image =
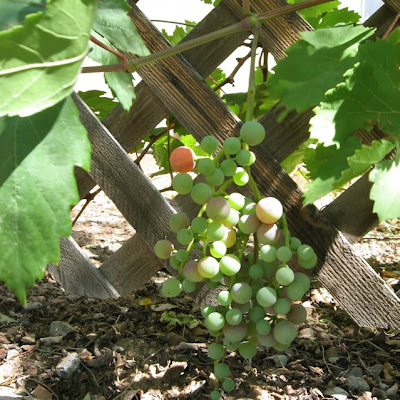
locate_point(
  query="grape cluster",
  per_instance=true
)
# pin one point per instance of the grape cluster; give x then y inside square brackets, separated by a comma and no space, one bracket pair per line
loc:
[258,302]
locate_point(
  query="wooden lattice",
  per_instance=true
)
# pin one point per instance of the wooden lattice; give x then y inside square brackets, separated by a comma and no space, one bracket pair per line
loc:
[175,85]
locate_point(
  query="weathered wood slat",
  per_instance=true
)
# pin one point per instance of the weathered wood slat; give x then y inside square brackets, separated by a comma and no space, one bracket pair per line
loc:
[351,281]
[394,4]
[78,275]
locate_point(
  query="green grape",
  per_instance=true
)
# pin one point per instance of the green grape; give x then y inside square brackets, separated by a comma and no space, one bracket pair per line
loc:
[241,177]
[268,233]
[218,209]
[282,306]
[232,219]
[216,351]
[216,231]
[266,296]
[297,314]
[178,221]
[235,333]
[216,178]
[229,238]
[229,265]
[181,255]
[214,321]
[244,308]
[269,270]
[188,286]
[284,276]
[305,252]
[256,271]
[228,167]
[207,309]
[231,346]
[302,279]
[249,206]
[199,225]
[308,264]
[281,347]
[212,284]
[241,292]
[269,210]
[175,264]
[284,332]
[228,385]
[245,157]
[215,333]
[236,201]
[284,254]
[171,287]
[182,183]
[248,223]
[224,298]
[295,291]
[256,313]
[221,370]
[232,145]
[163,249]
[268,253]
[218,249]
[205,166]
[209,144]
[184,236]
[191,273]
[267,340]
[217,278]
[247,349]
[252,133]
[208,267]
[201,193]
[234,316]
[215,395]
[295,243]
[263,327]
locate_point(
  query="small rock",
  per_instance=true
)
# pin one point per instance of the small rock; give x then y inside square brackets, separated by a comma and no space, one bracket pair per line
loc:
[98,316]
[392,391]
[337,393]
[280,360]
[33,306]
[355,371]
[101,361]
[375,370]
[28,339]
[379,393]
[357,384]
[50,340]
[68,365]
[174,339]
[7,393]
[60,328]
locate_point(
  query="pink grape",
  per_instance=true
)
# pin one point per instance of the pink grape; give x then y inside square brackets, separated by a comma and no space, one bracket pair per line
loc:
[191,273]
[218,209]
[248,223]
[269,210]
[182,159]
[268,233]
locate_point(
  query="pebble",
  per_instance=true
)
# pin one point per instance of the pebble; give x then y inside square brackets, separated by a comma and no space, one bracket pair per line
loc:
[379,393]
[280,360]
[28,339]
[68,365]
[355,371]
[60,328]
[33,306]
[337,392]
[50,340]
[375,370]
[357,384]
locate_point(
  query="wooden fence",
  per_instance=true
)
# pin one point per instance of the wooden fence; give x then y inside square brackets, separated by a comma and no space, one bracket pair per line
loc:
[175,85]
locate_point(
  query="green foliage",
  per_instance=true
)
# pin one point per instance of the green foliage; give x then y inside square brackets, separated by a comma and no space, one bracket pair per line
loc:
[315,64]
[113,23]
[181,319]
[101,105]
[42,58]
[179,32]
[120,83]
[214,3]
[37,187]
[13,12]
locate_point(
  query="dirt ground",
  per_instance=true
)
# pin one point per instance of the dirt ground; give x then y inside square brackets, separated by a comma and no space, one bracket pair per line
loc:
[62,346]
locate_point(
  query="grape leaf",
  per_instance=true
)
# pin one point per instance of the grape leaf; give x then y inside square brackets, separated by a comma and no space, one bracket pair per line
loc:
[37,189]
[315,64]
[179,32]
[325,165]
[113,23]
[370,95]
[343,16]
[345,166]
[385,191]
[97,102]
[120,83]
[41,59]
[13,12]
[294,159]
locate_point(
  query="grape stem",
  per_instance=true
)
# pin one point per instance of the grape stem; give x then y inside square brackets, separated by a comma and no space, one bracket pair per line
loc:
[285,230]
[224,186]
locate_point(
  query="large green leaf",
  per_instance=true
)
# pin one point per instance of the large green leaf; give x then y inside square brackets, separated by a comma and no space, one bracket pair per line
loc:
[120,83]
[101,105]
[385,191]
[37,189]
[113,23]
[315,64]
[41,59]
[370,95]
[13,12]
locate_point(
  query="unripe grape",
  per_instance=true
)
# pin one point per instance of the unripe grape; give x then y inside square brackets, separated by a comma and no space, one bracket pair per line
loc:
[178,221]
[191,273]
[235,333]
[208,267]
[295,291]
[248,223]
[182,183]
[228,167]
[263,327]
[182,159]
[201,193]
[241,177]
[228,384]
[269,210]
[218,209]
[267,340]
[184,236]
[171,287]
[207,309]
[224,298]
[284,254]
[229,265]
[256,313]
[215,395]
[163,249]
[216,231]
[181,255]
[199,225]
[245,157]
[284,276]
[216,178]
[241,292]
[236,201]
[218,249]
[305,252]
[249,206]
[209,144]
[252,133]
[297,315]
[221,370]
[214,321]
[232,145]
[308,264]
[205,166]
[232,219]
[188,286]
[216,351]
[268,253]
[229,238]
[268,233]
[175,263]
[266,296]
[303,280]
[295,243]
[234,316]
[256,271]
[217,278]
[247,350]
[284,332]
[282,306]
